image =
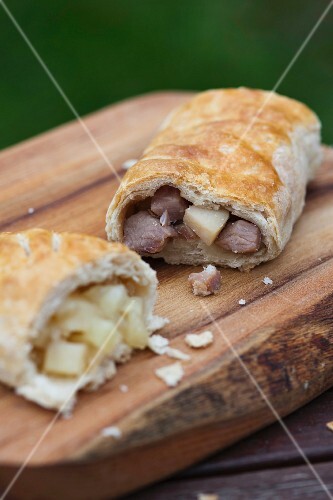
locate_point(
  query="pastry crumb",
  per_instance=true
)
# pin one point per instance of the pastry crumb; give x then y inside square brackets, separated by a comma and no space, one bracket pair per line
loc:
[329,426]
[111,432]
[31,210]
[306,385]
[170,374]
[242,302]
[123,388]
[197,340]
[177,354]
[129,163]
[160,345]
[267,281]
[158,322]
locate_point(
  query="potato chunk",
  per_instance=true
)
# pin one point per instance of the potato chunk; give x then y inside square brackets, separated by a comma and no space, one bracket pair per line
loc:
[65,358]
[206,223]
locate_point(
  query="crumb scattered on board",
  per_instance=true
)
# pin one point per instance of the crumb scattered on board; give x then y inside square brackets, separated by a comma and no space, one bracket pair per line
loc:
[242,302]
[160,345]
[177,354]
[129,163]
[267,281]
[31,210]
[197,340]
[170,374]
[111,432]
[123,388]
[329,426]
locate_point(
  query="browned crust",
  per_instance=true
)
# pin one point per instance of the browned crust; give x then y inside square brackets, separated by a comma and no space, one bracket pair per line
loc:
[32,272]
[224,146]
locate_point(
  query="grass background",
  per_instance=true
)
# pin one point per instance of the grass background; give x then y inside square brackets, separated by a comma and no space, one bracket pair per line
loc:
[107,50]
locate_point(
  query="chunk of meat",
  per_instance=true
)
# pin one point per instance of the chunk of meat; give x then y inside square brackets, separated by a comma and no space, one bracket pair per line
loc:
[206,282]
[240,237]
[168,198]
[144,233]
[185,232]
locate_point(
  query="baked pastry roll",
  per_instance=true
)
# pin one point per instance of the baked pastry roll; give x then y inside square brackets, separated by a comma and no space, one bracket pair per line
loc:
[71,306]
[223,181]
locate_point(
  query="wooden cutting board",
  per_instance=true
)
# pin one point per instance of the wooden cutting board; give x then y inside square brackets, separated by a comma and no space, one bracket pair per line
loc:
[280,342]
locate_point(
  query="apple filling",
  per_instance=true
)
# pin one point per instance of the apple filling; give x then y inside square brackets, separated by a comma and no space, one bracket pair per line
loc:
[87,328]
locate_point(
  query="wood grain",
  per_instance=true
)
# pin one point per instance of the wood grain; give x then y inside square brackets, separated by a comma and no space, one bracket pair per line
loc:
[272,448]
[283,335]
[293,483]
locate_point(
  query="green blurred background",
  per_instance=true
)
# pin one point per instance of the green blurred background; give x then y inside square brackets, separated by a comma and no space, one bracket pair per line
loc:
[107,50]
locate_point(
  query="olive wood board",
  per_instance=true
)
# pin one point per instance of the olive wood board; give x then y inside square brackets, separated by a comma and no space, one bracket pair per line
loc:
[280,342]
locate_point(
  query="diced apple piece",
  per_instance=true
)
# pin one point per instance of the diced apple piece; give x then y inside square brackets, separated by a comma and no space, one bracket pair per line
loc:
[206,223]
[74,304]
[133,328]
[110,299]
[100,333]
[65,358]
[76,314]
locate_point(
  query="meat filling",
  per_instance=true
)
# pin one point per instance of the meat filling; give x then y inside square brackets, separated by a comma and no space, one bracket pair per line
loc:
[206,282]
[169,198]
[240,237]
[185,232]
[145,233]
[171,216]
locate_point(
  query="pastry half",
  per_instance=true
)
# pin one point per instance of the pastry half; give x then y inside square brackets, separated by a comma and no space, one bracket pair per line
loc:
[223,181]
[71,307]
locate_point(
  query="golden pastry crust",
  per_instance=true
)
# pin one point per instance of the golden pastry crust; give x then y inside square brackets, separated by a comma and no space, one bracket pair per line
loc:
[38,270]
[248,150]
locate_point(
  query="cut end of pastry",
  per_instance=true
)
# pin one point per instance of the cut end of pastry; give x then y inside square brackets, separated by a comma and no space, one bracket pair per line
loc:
[93,329]
[70,315]
[209,233]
